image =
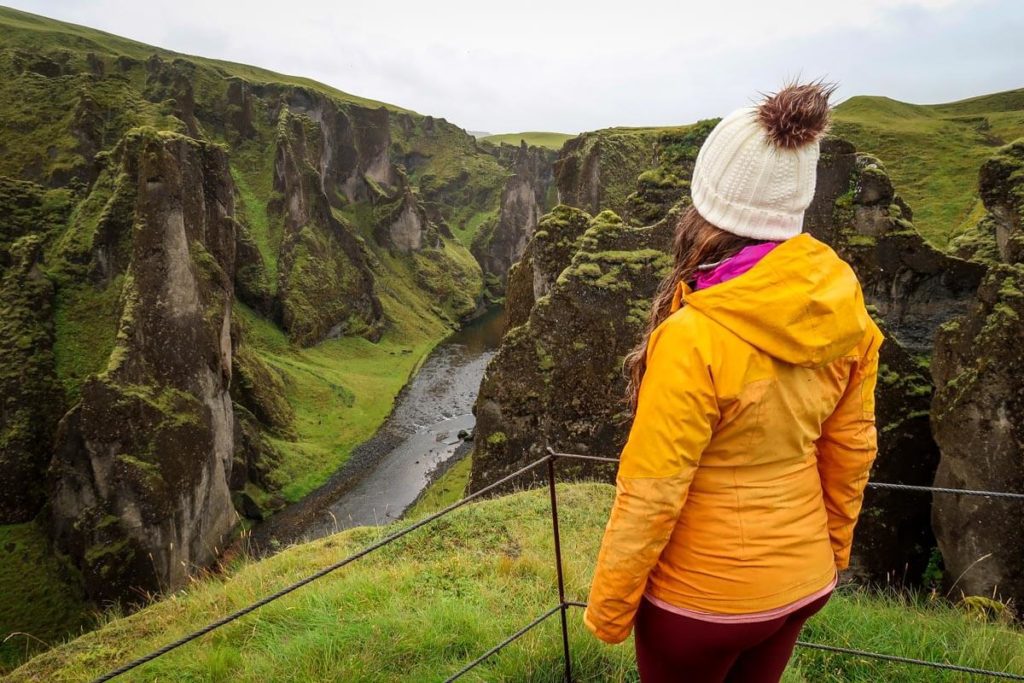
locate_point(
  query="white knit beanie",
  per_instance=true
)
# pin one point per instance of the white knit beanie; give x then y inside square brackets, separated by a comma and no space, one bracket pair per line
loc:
[755,173]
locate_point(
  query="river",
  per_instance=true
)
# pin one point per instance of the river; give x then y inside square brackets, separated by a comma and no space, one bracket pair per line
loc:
[386,474]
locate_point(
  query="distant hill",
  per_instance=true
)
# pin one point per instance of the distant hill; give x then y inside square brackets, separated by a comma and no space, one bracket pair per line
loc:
[537,139]
[933,152]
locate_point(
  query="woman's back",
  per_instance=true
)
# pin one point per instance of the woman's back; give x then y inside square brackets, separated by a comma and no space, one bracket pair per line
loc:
[741,480]
[782,343]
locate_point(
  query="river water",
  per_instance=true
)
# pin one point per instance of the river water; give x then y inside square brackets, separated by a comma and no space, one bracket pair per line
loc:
[386,474]
[421,435]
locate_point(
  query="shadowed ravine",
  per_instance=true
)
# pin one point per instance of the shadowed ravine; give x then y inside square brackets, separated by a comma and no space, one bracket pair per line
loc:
[386,474]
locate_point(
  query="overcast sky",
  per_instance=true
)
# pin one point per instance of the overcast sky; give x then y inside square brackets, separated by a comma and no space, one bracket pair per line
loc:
[577,65]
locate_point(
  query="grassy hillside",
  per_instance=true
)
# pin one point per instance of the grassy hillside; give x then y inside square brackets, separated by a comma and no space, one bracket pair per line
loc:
[933,152]
[27,31]
[534,138]
[422,607]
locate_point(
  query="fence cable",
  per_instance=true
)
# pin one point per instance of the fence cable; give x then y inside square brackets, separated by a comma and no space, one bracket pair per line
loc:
[311,578]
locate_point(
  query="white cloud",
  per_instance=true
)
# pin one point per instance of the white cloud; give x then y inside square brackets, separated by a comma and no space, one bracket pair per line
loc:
[573,65]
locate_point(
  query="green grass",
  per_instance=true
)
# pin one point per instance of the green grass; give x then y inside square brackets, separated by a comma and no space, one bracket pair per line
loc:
[422,607]
[252,171]
[341,391]
[533,138]
[40,602]
[86,324]
[443,491]
[466,231]
[933,152]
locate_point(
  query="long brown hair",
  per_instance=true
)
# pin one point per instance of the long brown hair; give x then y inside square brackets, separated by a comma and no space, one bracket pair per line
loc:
[696,242]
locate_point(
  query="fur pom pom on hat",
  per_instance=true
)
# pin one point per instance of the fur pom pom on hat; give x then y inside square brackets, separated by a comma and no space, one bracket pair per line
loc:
[755,173]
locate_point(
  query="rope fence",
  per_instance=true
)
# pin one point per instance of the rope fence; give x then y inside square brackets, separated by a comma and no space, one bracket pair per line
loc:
[563,606]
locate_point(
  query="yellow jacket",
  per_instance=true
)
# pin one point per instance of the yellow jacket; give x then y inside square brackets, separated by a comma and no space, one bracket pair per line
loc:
[744,472]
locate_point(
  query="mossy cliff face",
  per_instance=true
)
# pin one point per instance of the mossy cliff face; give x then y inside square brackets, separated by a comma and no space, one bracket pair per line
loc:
[914,287]
[139,479]
[545,257]
[579,298]
[978,412]
[526,196]
[325,286]
[636,172]
[555,378]
[31,396]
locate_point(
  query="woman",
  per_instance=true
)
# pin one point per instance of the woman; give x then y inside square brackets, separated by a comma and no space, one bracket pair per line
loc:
[753,432]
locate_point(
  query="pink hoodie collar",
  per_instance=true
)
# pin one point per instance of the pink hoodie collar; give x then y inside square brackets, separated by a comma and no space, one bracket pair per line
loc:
[736,265]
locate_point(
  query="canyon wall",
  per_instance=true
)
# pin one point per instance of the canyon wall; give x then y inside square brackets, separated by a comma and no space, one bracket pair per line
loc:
[978,412]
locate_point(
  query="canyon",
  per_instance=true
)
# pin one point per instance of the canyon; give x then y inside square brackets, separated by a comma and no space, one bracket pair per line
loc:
[216,280]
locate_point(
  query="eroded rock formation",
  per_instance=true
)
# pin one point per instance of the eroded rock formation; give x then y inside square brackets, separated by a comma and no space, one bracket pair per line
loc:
[525,197]
[325,286]
[30,396]
[139,493]
[978,412]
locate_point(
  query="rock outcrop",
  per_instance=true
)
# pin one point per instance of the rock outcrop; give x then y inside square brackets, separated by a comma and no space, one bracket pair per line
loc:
[525,197]
[325,286]
[914,286]
[555,378]
[139,494]
[978,411]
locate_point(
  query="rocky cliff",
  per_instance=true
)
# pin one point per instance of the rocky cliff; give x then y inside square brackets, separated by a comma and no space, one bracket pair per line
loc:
[526,196]
[579,298]
[978,412]
[139,479]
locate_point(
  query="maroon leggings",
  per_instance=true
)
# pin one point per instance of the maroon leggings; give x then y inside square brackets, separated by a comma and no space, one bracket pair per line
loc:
[673,648]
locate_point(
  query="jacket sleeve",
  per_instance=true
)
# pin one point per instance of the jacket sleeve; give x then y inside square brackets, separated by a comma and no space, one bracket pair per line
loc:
[847,448]
[675,414]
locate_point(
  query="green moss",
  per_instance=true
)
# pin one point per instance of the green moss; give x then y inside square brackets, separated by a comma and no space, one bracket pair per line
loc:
[251,172]
[861,241]
[42,601]
[545,361]
[497,439]
[842,211]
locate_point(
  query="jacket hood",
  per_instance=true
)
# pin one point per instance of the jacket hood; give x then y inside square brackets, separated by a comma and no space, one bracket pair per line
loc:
[800,303]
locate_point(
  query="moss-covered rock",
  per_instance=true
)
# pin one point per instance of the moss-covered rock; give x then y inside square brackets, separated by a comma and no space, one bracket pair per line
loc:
[525,198]
[541,388]
[325,286]
[545,257]
[29,391]
[139,491]
[914,287]
[978,411]
[260,389]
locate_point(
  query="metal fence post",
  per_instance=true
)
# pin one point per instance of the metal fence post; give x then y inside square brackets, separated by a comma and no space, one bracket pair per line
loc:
[558,567]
